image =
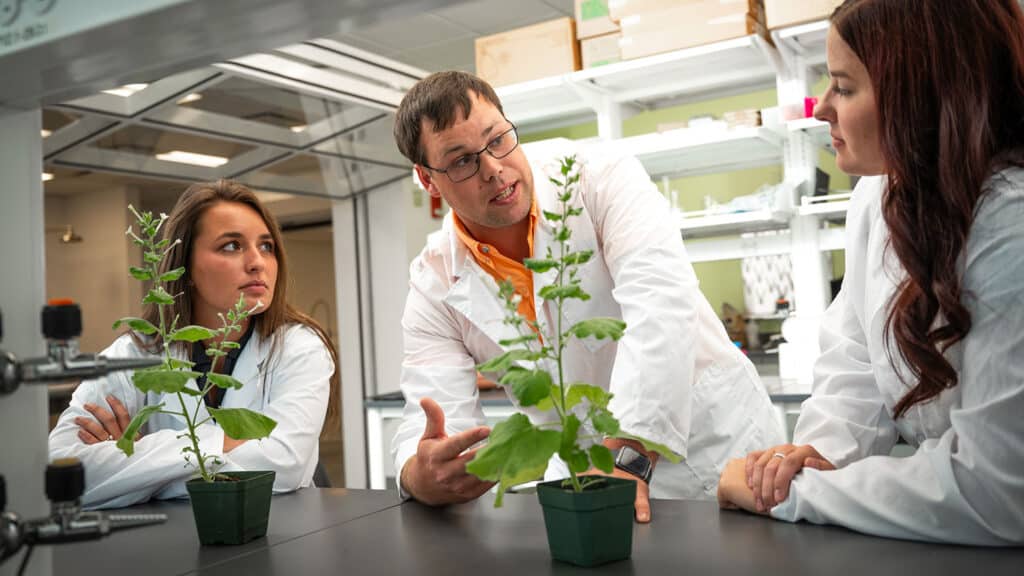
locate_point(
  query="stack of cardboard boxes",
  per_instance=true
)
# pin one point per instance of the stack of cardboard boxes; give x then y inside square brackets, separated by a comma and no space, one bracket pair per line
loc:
[607,31]
[655,26]
[598,34]
[546,49]
[781,13]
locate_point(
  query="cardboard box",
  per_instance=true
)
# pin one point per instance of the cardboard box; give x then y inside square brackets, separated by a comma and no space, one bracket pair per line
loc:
[592,20]
[601,50]
[781,13]
[686,25]
[619,9]
[546,49]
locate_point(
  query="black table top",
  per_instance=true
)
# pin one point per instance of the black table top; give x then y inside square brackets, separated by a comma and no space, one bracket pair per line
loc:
[173,547]
[338,531]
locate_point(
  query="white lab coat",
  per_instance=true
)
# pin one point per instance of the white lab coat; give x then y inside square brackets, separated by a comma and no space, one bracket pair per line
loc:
[675,376]
[292,387]
[965,482]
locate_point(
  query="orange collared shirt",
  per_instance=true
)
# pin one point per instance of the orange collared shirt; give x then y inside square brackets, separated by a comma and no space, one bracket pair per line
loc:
[501,267]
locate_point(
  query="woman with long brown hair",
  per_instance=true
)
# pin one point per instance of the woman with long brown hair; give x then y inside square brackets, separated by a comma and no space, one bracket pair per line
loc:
[230,245]
[926,338]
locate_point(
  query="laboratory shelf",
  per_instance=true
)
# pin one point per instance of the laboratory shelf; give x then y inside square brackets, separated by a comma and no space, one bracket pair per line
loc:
[732,223]
[698,72]
[830,207]
[816,130]
[748,245]
[690,151]
[806,41]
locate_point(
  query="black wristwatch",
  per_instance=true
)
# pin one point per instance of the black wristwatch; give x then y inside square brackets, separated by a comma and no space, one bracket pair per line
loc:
[635,462]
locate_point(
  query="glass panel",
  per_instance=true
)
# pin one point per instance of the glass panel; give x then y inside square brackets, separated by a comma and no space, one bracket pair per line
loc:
[247,100]
[54,120]
[312,174]
[150,142]
[374,141]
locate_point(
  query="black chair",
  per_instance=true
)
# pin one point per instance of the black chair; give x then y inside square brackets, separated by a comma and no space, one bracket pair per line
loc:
[320,478]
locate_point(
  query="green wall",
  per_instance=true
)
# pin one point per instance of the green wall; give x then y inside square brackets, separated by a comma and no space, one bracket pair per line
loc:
[720,281]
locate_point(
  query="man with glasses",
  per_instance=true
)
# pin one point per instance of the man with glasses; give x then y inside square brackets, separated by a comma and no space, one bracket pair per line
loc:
[675,376]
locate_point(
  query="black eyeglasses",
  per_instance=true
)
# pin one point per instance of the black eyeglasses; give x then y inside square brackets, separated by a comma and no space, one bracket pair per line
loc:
[466,166]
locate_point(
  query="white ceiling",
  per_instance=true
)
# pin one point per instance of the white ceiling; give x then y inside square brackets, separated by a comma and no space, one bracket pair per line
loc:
[443,39]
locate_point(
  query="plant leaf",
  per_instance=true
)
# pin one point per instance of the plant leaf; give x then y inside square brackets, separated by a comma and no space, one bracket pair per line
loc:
[531,337]
[603,421]
[599,328]
[158,296]
[138,324]
[528,386]
[555,292]
[539,265]
[242,423]
[151,257]
[162,381]
[596,395]
[653,447]
[577,258]
[140,273]
[172,275]
[176,364]
[548,402]
[223,381]
[551,216]
[504,361]
[127,440]
[516,452]
[602,458]
[568,451]
[191,334]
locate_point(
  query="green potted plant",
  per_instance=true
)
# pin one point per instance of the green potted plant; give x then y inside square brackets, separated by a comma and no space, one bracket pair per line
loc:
[589,519]
[229,508]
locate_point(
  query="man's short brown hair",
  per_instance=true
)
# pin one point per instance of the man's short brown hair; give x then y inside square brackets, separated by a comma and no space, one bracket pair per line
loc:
[440,98]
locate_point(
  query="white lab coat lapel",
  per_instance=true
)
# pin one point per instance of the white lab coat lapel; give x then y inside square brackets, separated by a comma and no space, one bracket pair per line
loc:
[248,368]
[474,293]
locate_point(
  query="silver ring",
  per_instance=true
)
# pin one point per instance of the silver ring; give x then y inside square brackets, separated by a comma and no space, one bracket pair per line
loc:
[110,436]
[778,455]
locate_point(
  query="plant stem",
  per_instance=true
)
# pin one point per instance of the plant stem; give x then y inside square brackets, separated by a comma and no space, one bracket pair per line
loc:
[559,337]
[195,440]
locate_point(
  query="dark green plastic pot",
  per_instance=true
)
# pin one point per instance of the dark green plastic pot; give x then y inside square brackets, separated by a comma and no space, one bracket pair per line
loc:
[232,512]
[591,527]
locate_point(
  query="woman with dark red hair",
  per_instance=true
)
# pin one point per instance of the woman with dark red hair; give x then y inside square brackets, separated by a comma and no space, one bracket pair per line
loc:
[926,338]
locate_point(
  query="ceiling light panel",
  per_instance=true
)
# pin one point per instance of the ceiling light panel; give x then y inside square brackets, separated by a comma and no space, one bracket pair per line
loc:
[126,90]
[183,157]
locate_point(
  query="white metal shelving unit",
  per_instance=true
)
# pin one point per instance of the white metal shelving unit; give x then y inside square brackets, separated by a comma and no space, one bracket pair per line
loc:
[610,93]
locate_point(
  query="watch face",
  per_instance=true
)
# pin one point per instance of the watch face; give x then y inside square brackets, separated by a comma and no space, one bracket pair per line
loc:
[634,462]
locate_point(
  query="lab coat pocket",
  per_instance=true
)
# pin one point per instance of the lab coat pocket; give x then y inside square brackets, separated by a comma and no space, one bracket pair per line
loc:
[596,281]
